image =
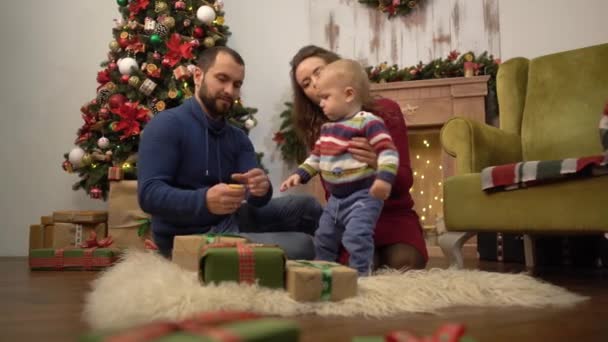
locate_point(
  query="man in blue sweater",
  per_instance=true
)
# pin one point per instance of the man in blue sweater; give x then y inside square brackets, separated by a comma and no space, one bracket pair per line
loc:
[190,158]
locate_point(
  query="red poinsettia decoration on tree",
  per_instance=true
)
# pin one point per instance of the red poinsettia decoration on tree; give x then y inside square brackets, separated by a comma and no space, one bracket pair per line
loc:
[138,5]
[177,50]
[132,116]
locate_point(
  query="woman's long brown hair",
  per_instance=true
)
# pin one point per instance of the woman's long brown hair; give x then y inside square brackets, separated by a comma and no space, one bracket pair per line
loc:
[307,116]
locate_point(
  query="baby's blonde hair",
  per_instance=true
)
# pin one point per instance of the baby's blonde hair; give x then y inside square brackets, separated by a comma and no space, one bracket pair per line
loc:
[350,73]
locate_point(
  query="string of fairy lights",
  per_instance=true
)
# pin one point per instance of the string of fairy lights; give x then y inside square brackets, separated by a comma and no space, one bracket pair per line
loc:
[427,190]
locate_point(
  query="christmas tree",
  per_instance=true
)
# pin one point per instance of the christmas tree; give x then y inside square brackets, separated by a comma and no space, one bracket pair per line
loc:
[148,69]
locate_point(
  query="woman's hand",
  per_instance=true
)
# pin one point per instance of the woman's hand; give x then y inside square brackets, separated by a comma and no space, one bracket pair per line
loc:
[362,151]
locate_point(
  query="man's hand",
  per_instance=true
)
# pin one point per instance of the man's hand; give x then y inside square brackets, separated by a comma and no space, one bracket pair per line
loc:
[293,180]
[362,151]
[380,189]
[224,199]
[255,180]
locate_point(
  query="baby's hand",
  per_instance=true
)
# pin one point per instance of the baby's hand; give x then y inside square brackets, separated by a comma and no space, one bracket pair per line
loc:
[293,180]
[380,189]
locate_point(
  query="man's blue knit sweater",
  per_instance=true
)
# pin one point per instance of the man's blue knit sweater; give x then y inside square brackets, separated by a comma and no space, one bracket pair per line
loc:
[182,153]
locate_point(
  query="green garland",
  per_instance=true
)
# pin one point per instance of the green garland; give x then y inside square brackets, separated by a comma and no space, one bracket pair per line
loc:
[393,7]
[294,151]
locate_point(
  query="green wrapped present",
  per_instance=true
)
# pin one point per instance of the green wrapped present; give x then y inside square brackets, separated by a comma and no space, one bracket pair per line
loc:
[243,263]
[72,258]
[187,249]
[212,327]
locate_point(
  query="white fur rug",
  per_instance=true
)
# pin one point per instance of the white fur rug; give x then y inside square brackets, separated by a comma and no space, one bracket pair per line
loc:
[144,287]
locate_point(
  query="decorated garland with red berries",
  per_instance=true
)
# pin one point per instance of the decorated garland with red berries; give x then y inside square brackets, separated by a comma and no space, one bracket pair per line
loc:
[394,7]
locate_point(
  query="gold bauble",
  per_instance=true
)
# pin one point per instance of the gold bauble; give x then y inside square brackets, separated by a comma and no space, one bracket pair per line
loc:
[209,42]
[86,159]
[160,6]
[169,22]
[172,93]
[160,106]
[133,81]
[114,46]
[219,21]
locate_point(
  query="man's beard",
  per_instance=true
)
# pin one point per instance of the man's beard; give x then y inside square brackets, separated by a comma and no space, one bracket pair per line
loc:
[210,103]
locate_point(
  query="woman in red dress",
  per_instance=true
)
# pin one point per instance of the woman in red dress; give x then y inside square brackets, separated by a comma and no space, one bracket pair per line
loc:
[398,237]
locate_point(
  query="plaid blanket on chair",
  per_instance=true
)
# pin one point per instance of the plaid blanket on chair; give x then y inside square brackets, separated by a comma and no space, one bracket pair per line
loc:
[524,174]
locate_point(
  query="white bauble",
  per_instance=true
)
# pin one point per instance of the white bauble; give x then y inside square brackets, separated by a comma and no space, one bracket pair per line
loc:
[125,65]
[206,14]
[249,123]
[75,156]
[103,142]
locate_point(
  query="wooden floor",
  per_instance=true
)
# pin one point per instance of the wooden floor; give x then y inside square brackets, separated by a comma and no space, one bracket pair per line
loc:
[46,306]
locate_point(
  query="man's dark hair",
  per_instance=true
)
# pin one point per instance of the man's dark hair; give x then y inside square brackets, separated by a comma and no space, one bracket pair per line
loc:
[207,58]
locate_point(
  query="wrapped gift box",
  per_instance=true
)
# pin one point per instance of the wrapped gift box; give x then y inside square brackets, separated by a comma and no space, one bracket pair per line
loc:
[446,333]
[309,281]
[68,235]
[128,225]
[209,327]
[244,263]
[36,236]
[72,259]
[80,216]
[188,249]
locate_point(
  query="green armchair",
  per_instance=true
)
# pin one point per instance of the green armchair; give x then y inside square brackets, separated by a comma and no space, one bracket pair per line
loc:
[550,109]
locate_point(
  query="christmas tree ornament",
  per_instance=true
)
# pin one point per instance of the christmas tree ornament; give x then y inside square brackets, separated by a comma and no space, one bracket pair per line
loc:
[250,123]
[152,70]
[95,192]
[195,43]
[86,159]
[147,87]
[205,14]
[112,126]
[180,73]
[122,3]
[209,42]
[156,56]
[134,81]
[160,106]
[133,24]
[114,46]
[161,30]
[67,166]
[123,42]
[124,79]
[155,39]
[198,32]
[149,25]
[75,156]
[187,22]
[219,21]
[115,173]
[180,5]
[104,113]
[116,100]
[103,95]
[160,6]
[166,62]
[125,65]
[191,68]
[169,22]
[112,66]
[103,143]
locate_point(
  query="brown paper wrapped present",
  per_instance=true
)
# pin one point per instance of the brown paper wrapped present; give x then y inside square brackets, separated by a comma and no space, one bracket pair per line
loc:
[46,220]
[80,216]
[309,281]
[188,249]
[67,235]
[36,236]
[128,225]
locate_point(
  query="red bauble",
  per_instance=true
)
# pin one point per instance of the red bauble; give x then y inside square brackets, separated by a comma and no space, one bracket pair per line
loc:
[198,32]
[104,114]
[166,62]
[124,78]
[123,42]
[116,100]
[95,192]
[195,43]
[156,56]
[112,66]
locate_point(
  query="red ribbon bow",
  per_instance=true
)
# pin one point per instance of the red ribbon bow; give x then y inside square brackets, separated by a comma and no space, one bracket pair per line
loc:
[177,50]
[132,115]
[445,333]
[92,241]
[204,324]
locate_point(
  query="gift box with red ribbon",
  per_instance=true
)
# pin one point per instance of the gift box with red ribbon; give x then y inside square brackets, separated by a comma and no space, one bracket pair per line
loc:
[188,249]
[446,333]
[115,173]
[181,72]
[223,326]
[92,254]
[243,263]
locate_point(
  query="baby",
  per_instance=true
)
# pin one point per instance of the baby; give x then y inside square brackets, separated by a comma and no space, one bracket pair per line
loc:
[357,189]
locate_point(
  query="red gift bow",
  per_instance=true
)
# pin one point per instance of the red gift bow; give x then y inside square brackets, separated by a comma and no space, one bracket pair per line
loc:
[92,242]
[132,115]
[204,324]
[177,50]
[445,333]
